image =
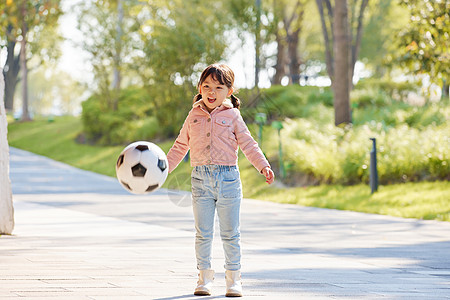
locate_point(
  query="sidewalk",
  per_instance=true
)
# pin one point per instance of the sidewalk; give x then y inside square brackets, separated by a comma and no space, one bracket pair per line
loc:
[79,235]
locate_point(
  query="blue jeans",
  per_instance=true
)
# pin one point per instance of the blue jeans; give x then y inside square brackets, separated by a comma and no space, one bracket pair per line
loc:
[217,187]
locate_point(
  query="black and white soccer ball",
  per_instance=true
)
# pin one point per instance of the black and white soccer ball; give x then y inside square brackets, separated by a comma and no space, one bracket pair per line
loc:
[142,167]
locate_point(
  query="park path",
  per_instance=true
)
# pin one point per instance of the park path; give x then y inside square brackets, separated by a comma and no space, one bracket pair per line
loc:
[79,235]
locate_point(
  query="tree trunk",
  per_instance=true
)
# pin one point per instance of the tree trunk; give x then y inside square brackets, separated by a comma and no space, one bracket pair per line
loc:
[6,205]
[280,69]
[292,27]
[23,68]
[293,37]
[341,51]
[327,31]
[356,40]
[257,42]
[294,61]
[117,56]
[340,84]
[445,90]
[10,73]
[280,66]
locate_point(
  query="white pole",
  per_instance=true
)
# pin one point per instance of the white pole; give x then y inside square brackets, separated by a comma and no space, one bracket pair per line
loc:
[6,205]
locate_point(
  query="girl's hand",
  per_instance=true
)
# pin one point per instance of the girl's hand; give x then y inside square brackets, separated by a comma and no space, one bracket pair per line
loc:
[268,173]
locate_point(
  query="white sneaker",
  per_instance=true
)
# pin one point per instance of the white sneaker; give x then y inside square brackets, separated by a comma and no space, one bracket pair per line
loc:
[234,284]
[204,283]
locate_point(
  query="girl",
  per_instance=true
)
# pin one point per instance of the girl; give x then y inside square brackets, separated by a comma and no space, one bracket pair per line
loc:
[213,130]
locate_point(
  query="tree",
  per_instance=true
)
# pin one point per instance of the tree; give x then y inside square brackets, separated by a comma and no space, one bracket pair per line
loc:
[179,41]
[342,32]
[11,69]
[118,51]
[425,41]
[20,18]
[282,23]
[6,206]
[245,21]
[379,42]
[288,19]
[281,56]
[342,76]
[108,26]
[164,45]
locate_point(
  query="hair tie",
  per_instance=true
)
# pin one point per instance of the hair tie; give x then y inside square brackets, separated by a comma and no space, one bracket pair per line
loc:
[235,101]
[197,97]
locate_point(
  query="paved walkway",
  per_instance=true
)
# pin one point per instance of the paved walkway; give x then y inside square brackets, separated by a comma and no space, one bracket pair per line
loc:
[79,235]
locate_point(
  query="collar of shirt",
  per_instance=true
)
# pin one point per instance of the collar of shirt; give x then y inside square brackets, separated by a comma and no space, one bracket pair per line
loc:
[225,104]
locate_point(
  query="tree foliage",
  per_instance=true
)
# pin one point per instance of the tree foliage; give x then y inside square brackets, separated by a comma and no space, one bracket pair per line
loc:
[165,45]
[378,44]
[182,40]
[30,23]
[425,42]
[99,23]
[161,46]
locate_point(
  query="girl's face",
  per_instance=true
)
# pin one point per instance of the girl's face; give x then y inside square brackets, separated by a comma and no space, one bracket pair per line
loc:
[213,93]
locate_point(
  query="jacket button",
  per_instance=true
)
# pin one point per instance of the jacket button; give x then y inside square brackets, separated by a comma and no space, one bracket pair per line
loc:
[208,162]
[208,147]
[209,119]
[223,122]
[208,134]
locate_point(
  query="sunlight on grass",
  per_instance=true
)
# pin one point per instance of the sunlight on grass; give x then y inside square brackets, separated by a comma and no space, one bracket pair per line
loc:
[99,158]
[423,200]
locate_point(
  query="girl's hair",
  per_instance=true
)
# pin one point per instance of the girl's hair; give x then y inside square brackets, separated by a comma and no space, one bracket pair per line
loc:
[224,75]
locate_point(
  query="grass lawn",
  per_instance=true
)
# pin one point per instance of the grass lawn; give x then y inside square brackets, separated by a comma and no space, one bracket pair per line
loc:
[424,200]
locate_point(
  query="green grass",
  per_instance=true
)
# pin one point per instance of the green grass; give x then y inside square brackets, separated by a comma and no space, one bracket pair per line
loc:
[423,200]
[419,200]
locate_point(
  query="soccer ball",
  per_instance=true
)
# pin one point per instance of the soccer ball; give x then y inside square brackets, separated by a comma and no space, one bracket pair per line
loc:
[142,167]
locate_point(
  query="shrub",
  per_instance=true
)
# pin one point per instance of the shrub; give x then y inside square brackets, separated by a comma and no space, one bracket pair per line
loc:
[146,129]
[364,99]
[322,95]
[394,90]
[279,102]
[132,120]
[432,114]
[335,155]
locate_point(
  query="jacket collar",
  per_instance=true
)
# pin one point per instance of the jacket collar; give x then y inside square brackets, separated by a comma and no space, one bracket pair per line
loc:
[226,103]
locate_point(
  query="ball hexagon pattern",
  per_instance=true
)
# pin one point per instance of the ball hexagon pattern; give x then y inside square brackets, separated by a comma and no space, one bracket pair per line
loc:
[142,167]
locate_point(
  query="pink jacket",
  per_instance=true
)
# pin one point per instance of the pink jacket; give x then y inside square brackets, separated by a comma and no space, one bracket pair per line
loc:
[214,138]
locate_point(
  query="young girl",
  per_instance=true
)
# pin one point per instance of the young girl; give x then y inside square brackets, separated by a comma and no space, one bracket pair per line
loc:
[213,130]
